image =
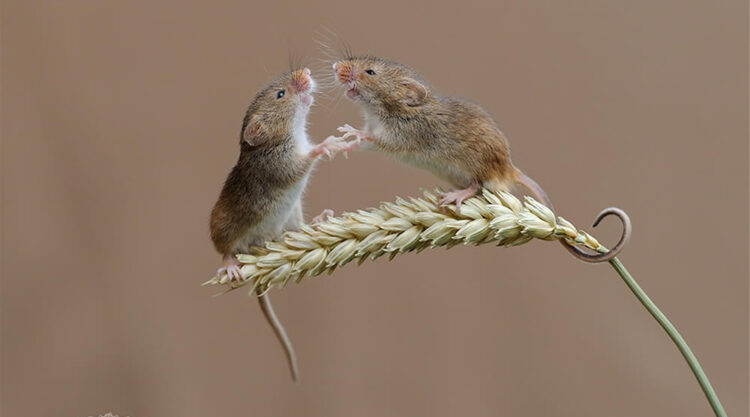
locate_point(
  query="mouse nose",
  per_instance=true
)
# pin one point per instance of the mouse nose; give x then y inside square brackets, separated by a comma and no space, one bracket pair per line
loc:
[345,71]
[301,80]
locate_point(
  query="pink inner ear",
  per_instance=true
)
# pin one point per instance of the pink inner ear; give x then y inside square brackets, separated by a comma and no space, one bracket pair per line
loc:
[415,93]
[253,133]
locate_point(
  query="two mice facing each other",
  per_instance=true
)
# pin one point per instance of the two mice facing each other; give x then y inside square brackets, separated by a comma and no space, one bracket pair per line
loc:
[453,138]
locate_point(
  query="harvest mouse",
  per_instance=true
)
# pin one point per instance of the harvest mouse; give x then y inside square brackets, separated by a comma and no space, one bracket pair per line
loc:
[262,194]
[453,138]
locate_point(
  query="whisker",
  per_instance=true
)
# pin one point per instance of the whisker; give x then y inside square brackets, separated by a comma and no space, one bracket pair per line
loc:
[332,46]
[265,69]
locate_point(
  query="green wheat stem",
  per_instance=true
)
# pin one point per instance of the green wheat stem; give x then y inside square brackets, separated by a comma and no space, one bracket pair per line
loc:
[668,327]
[419,223]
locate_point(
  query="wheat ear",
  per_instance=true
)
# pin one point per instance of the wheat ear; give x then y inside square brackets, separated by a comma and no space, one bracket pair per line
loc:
[417,224]
[399,227]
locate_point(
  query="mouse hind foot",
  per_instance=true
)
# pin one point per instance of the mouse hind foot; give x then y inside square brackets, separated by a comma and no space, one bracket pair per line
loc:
[458,196]
[231,268]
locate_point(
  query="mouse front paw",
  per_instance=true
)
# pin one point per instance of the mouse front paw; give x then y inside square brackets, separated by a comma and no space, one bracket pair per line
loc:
[331,146]
[359,135]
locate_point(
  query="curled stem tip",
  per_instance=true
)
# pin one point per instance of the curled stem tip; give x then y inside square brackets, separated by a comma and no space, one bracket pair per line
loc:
[609,255]
[405,226]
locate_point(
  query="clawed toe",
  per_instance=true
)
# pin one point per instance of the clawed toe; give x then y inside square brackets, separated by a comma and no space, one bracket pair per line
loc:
[335,144]
[231,268]
[458,196]
[451,198]
[234,273]
[348,131]
[345,128]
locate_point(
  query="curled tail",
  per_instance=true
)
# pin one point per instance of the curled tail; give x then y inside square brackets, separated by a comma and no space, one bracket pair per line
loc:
[540,194]
[278,328]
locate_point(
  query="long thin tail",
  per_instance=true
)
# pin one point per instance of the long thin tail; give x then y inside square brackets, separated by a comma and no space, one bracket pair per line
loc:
[278,328]
[535,189]
[540,194]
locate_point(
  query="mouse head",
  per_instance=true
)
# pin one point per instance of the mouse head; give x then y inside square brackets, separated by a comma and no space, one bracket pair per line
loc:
[381,85]
[279,109]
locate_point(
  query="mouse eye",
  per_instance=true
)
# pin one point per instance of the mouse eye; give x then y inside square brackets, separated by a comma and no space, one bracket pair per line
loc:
[370,72]
[280,94]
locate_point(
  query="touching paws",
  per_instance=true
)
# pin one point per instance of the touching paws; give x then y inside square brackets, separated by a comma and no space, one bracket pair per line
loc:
[330,147]
[348,131]
[335,144]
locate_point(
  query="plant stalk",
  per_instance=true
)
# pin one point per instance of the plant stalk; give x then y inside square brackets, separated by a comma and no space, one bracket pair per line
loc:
[664,322]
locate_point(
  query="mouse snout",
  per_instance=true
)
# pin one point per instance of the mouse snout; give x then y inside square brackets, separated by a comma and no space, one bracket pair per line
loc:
[301,80]
[345,72]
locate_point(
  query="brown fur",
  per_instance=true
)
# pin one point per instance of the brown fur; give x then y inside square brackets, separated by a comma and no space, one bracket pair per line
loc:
[253,188]
[260,197]
[455,139]
[265,168]
[420,126]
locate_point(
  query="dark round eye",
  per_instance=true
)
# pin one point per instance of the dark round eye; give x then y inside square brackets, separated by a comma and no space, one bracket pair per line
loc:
[370,72]
[280,94]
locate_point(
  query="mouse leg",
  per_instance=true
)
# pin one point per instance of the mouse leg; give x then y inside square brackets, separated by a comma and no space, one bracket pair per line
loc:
[231,268]
[323,216]
[458,196]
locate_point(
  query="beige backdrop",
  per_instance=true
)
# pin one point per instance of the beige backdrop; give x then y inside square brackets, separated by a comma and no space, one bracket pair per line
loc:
[120,120]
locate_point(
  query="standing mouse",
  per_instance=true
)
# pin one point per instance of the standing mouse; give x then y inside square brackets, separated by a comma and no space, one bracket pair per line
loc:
[262,194]
[453,138]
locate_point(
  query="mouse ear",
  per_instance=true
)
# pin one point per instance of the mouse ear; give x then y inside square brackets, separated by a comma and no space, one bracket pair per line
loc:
[416,92]
[252,132]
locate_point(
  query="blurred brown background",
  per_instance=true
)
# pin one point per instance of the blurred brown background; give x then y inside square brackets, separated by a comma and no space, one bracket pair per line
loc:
[120,121]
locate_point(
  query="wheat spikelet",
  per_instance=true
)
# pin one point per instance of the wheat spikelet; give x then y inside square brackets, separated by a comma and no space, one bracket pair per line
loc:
[399,227]
[417,224]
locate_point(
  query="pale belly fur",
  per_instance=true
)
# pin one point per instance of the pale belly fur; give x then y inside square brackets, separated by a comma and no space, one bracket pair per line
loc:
[446,171]
[273,224]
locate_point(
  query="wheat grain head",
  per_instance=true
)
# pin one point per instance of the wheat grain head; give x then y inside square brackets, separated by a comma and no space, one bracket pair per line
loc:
[399,227]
